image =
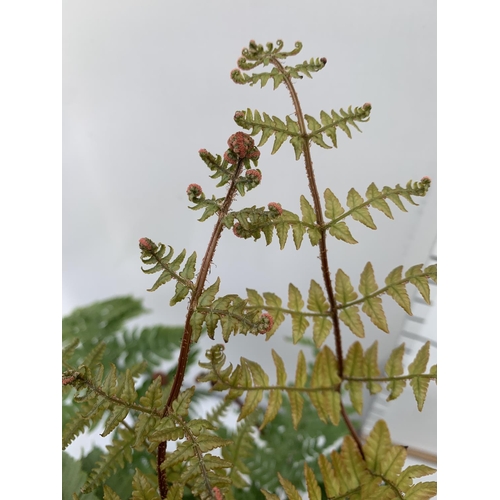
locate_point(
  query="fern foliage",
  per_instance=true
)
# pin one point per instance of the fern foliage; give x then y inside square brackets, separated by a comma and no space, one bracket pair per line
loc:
[380,474]
[200,470]
[241,316]
[256,222]
[289,129]
[256,55]
[286,437]
[225,170]
[321,384]
[154,255]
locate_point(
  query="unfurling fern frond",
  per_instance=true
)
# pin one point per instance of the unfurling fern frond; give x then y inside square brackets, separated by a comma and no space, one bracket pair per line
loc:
[221,167]
[258,220]
[232,314]
[379,474]
[154,255]
[250,222]
[255,55]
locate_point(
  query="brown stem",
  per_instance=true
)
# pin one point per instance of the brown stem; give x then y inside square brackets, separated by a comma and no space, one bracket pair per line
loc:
[322,242]
[352,430]
[186,337]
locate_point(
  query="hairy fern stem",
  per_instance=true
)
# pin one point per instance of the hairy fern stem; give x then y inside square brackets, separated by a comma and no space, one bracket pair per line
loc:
[325,269]
[186,337]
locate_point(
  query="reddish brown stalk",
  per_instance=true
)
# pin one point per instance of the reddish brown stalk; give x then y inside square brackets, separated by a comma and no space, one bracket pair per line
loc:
[186,337]
[322,242]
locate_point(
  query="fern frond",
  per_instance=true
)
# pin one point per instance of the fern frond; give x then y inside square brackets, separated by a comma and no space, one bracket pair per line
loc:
[325,375]
[330,123]
[96,394]
[74,475]
[242,446]
[191,453]
[101,319]
[221,167]
[275,398]
[371,302]
[211,206]
[225,170]
[77,424]
[69,350]
[313,489]
[109,494]
[155,255]
[142,489]
[296,400]
[215,415]
[95,355]
[153,344]
[362,368]
[172,426]
[175,492]
[251,374]
[359,208]
[272,125]
[254,222]
[379,475]
[180,407]
[299,321]
[353,367]
[146,422]
[255,55]
[235,315]
[418,367]
[238,315]
[309,218]
[198,470]
[269,126]
[284,449]
[118,454]
[165,430]
[289,488]
[317,303]
[249,377]
[251,222]
[371,369]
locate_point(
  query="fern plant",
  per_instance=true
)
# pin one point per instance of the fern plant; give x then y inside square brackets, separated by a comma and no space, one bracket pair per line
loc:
[205,460]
